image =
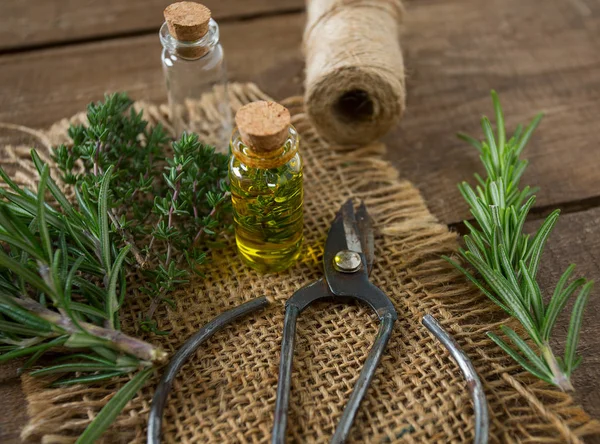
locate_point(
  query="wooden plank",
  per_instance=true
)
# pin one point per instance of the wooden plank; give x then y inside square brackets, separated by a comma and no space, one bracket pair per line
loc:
[23,24]
[548,62]
[538,59]
[40,87]
[576,240]
[14,413]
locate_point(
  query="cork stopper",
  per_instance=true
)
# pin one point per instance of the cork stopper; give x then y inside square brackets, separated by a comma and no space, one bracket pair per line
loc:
[187,21]
[263,125]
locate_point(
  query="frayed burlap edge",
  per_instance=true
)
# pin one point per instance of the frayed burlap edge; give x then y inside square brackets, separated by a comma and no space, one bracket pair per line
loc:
[430,396]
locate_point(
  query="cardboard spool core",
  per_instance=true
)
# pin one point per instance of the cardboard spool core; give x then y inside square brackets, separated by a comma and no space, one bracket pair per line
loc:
[263,126]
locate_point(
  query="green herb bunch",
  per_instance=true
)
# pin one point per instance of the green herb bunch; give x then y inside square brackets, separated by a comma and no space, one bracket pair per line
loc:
[169,203]
[506,260]
[141,203]
[62,283]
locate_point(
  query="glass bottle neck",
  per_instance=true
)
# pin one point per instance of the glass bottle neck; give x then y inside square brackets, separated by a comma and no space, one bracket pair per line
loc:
[272,159]
[194,49]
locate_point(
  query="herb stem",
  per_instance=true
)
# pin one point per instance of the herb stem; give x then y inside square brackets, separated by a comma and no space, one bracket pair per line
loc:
[211,214]
[559,378]
[115,339]
[139,257]
[170,224]
[155,300]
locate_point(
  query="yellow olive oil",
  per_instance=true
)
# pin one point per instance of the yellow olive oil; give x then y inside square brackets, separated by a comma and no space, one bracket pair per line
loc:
[267,208]
[267,196]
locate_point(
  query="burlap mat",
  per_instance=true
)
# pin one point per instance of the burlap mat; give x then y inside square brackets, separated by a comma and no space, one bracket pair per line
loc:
[227,392]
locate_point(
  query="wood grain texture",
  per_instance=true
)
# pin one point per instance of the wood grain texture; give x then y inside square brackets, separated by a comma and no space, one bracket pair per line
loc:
[576,240]
[44,22]
[38,88]
[537,58]
[14,413]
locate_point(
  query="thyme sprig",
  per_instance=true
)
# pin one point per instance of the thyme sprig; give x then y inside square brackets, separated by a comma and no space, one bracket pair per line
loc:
[506,260]
[169,202]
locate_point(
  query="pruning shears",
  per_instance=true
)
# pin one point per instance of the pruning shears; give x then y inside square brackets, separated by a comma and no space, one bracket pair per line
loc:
[347,261]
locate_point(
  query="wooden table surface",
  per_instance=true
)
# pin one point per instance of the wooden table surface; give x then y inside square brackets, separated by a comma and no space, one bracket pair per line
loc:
[58,55]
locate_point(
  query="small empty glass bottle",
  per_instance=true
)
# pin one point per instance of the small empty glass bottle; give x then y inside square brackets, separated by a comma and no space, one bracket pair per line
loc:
[194,69]
[265,172]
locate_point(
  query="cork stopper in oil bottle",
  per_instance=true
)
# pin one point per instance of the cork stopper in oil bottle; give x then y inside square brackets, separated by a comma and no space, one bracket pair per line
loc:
[263,126]
[188,22]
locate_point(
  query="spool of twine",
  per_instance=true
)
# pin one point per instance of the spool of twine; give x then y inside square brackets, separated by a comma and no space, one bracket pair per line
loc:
[355,89]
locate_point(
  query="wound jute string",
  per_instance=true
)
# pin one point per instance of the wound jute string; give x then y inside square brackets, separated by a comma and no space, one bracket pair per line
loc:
[355,88]
[226,392]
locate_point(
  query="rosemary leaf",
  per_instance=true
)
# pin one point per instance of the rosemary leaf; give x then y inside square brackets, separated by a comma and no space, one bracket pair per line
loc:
[534,254]
[534,359]
[470,140]
[479,285]
[103,215]
[113,300]
[56,192]
[570,360]
[87,379]
[501,287]
[522,362]
[19,352]
[111,410]
[535,295]
[524,138]
[559,301]
[499,121]
[72,367]
[41,213]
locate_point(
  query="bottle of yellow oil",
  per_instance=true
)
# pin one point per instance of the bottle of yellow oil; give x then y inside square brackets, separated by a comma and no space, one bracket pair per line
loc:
[265,172]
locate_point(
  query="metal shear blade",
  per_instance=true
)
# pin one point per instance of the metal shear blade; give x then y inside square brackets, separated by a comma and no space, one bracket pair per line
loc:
[347,261]
[367,239]
[350,229]
[352,232]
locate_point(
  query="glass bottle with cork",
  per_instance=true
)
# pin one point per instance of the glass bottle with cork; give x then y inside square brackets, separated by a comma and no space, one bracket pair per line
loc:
[195,73]
[265,172]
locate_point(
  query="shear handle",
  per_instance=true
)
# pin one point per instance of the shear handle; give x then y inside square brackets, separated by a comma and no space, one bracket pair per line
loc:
[301,299]
[285,374]
[294,306]
[364,379]
[480,405]
[183,354]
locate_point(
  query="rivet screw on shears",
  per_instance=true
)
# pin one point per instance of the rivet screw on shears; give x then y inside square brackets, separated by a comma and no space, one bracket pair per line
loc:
[347,261]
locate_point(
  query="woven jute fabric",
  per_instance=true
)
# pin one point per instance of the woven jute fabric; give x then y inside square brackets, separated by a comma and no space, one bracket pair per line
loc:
[226,392]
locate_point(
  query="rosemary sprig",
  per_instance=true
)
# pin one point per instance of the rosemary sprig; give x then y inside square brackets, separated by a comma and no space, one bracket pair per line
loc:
[62,283]
[506,260]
